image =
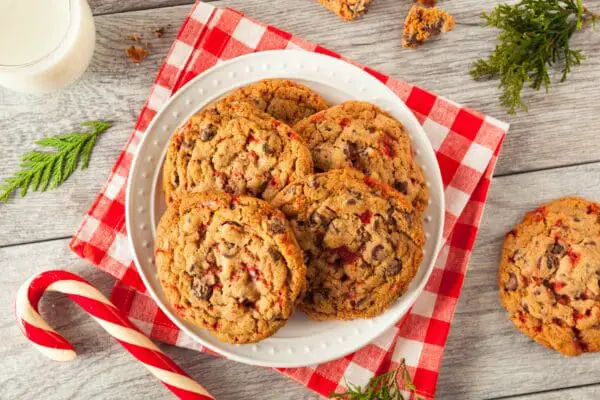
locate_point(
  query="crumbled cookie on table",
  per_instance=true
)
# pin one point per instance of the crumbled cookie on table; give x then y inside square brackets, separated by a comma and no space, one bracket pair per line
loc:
[423,23]
[549,276]
[347,9]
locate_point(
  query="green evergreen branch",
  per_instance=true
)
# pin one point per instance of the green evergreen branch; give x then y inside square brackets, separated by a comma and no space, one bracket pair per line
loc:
[381,387]
[43,170]
[534,36]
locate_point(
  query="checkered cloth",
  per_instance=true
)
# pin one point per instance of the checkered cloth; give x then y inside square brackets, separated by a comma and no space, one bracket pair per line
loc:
[466,144]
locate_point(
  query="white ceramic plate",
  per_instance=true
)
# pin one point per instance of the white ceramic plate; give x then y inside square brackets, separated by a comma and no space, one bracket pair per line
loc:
[302,341]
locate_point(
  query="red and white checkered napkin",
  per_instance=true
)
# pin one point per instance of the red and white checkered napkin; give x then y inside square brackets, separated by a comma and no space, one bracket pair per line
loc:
[466,144]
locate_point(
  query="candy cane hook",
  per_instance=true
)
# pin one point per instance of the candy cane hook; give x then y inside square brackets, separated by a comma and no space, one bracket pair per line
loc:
[53,345]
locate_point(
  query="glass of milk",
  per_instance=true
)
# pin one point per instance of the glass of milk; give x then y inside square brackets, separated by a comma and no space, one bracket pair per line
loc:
[44,44]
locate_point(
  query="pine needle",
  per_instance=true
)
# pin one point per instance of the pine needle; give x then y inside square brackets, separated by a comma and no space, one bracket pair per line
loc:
[43,170]
[534,36]
[381,387]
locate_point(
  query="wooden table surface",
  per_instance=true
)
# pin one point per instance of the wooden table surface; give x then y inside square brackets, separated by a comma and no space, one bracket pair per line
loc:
[552,151]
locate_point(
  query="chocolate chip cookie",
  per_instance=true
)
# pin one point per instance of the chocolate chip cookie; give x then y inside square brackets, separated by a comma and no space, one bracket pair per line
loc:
[362,242]
[283,99]
[423,23]
[235,148]
[229,264]
[362,136]
[549,275]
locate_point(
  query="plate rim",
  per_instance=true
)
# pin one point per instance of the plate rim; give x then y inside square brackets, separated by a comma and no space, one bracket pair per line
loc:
[130,187]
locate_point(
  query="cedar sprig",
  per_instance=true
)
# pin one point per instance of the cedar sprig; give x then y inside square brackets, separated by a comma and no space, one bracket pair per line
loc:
[534,36]
[381,387]
[42,170]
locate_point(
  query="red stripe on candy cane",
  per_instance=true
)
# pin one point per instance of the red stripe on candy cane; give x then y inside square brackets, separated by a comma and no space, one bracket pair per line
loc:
[56,347]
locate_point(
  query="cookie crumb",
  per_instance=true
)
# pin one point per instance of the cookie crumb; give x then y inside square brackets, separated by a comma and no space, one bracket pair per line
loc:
[423,23]
[159,32]
[135,37]
[347,9]
[137,54]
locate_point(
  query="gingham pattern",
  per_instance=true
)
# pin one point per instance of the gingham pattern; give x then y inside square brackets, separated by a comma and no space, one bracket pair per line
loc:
[466,144]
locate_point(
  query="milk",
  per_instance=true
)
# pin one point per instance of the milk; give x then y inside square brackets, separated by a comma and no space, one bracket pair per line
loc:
[44,44]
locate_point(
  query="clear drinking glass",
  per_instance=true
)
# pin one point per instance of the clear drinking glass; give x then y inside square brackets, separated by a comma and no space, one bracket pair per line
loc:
[44,46]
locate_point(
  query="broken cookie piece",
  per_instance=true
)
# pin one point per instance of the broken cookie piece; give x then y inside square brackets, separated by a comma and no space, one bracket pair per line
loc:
[422,23]
[347,9]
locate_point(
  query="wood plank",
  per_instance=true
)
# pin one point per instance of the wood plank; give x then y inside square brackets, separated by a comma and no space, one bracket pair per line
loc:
[102,7]
[486,357]
[578,393]
[103,369]
[114,88]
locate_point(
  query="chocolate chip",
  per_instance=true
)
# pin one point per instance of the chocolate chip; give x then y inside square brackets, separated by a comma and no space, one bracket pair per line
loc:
[401,186]
[412,40]
[551,261]
[307,258]
[247,304]
[207,133]
[557,248]
[176,179]
[526,307]
[267,149]
[378,253]
[363,236]
[276,225]
[313,182]
[201,290]
[275,254]
[435,29]
[229,250]
[316,219]
[351,201]
[192,268]
[512,283]
[355,194]
[394,268]
[262,187]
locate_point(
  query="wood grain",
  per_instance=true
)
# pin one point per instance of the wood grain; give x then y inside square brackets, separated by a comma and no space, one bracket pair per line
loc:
[101,7]
[485,357]
[114,88]
[494,359]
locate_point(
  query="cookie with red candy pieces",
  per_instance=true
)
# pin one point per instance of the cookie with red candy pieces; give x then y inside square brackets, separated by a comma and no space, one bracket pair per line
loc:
[549,276]
[362,242]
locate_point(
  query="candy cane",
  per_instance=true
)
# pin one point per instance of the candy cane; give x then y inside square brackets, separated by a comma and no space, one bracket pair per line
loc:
[53,345]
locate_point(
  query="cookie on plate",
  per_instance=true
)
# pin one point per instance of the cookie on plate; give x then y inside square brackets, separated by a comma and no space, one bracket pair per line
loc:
[235,148]
[347,9]
[360,135]
[549,275]
[362,243]
[283,99]
[229,264]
